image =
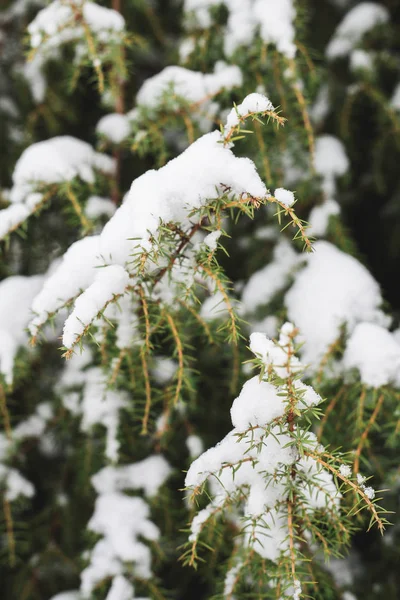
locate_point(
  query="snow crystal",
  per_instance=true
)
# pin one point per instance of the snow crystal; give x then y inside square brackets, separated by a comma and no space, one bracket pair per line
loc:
[369,492]
[114,127]
[356,23]
[333,289]
[345,470]
[285,197]
[375,352]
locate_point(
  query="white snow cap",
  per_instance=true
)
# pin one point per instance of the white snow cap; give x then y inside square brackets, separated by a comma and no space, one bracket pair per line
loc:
[193,86]
[259,462]
[71,595]
[16,295]
[114,127]
[285,197]
[253,103]
[274,20]
[356,23]
[332,290]
[375,352]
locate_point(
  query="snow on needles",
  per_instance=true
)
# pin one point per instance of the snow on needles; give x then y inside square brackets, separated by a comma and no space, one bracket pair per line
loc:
[356,23]
[16,295]
[123,522]
[54,161]
[334,289]
[255,459]
[274,20]
[64,22]
[375,352]
[169,194]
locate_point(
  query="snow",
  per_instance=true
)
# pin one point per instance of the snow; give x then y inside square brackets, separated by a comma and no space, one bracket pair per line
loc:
[360,59]
[121,589]
[115,127]
[16,295]
[109,282]
[257,404]
[268,281]
[97,206]
[355,24]
[15,484]
[54,161]
[75,273]
[170,194]
[57,160]
[214,307]
[375,352]
[193,86]
[274,20]
[285,197]
[253,103]
[195,446]
[163,369]
[96,404]
[60,23]
[318,219]
[395,101]
[211,240]
[57,22]
[185,183]
[256,458]
[333,289]
[71,595]
[330,162]
[148,474]
[123,522]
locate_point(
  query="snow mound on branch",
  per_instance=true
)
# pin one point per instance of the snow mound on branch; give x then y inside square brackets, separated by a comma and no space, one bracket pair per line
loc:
[54,161]
[375,352]
[57,160]
[114,127]
[274,20]
[109,282]
[170,194]
[16,295]
[194,86]
[123,521]
[334,289]
[56,24]
[356,23]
